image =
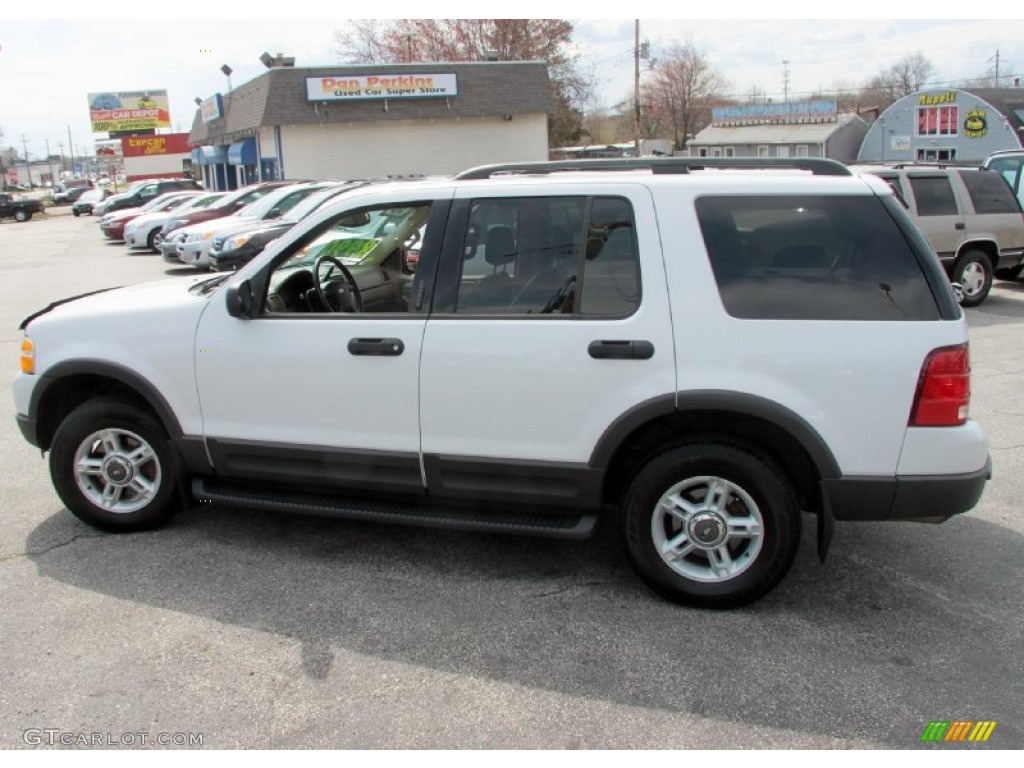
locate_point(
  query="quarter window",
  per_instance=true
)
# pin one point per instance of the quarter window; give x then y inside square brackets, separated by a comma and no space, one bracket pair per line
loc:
[989,192]
[812,258]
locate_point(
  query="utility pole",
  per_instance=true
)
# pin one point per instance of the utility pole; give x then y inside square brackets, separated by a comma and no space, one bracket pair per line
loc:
[28,168]
[997,68]
[785,81]
[636,89]
[71,151]
[49,162]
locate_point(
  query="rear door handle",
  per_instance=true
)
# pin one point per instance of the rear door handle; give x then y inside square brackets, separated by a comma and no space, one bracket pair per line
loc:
[960,225]
[621,350]
[376,347]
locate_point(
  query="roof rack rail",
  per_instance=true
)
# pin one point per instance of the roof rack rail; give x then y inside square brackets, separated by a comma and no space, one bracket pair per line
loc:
[657,165]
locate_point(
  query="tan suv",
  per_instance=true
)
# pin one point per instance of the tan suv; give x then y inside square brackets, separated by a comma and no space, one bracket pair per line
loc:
[971,218]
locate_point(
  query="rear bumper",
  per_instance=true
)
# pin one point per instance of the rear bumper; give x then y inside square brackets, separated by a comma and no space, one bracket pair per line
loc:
[907,497]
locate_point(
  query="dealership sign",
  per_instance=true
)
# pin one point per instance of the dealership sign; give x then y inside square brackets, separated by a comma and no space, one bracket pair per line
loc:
[167,144]
[128,111]
[784,113]
[212,108]
[353,87]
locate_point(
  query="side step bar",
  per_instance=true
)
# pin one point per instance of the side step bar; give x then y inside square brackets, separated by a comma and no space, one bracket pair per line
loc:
[559,525]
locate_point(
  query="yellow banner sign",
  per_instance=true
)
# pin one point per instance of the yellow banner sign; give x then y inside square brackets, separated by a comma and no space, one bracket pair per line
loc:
[129,111]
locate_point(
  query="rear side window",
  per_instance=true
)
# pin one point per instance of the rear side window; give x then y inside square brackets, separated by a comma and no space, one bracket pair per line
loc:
[812,258]
[989,192]
[549,256]
[934,196]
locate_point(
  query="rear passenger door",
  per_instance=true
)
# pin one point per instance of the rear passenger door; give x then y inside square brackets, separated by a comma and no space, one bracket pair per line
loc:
[550,320]
[938,213]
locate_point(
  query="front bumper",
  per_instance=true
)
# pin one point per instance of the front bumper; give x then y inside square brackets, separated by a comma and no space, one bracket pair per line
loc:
[906,497]
[135,238]
[195,254]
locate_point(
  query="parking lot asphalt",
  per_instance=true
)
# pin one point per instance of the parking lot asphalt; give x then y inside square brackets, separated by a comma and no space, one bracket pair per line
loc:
[245,629]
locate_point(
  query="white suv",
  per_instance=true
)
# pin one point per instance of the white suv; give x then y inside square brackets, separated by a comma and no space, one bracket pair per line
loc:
[708,351]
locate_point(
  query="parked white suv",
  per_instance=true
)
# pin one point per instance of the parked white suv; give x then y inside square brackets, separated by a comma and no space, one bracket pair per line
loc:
[709,351]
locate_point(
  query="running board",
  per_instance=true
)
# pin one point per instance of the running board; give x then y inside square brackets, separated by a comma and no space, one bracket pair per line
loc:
[556,525]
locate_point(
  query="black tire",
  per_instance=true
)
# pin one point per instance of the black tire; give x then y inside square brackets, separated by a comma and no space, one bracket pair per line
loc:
[131,426]
[973,271]
[757,562]
[20,215]
[1010,273]
[151,243]
[75,213]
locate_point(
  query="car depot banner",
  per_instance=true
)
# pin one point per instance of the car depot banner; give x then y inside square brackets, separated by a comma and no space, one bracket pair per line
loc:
[166,144]
[352,87]
[129,111]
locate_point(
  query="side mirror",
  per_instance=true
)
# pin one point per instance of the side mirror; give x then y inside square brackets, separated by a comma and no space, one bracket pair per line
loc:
[240,299]
[239,204]
[273,213]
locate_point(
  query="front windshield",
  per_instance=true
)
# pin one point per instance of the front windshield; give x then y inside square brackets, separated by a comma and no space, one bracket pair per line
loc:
[261,207]
[199,201]
[314,201]
[363,238]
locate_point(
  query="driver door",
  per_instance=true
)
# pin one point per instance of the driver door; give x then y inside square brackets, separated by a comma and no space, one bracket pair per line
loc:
[320,398]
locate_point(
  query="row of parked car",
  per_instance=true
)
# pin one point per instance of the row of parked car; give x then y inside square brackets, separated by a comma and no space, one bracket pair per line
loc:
[216,231]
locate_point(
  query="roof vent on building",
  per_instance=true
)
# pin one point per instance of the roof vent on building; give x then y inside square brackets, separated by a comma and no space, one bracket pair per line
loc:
[272,62]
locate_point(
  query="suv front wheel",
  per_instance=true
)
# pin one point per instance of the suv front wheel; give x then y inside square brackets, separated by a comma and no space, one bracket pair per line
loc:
[112,466]
[711,525]
[973,271]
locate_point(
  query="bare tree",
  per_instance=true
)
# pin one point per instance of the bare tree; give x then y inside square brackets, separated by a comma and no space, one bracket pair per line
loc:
[548,40]
[682,89]
[906,76]
[359,42]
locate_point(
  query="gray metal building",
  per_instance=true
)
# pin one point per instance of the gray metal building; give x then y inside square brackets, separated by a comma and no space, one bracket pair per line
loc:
[946,125]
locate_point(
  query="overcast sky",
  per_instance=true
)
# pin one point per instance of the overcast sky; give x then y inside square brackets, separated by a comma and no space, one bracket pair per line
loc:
[47,66]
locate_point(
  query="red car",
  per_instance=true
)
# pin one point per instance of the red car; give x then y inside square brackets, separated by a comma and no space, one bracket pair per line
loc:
[112,224]
[231,203]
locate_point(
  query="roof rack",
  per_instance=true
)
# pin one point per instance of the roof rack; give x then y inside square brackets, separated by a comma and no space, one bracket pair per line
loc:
[657,165]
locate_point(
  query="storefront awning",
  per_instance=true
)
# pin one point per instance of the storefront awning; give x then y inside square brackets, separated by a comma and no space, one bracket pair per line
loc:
[242,152]
[211,155]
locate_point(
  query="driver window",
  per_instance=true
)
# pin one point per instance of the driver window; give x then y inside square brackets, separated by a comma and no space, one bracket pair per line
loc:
[361,261]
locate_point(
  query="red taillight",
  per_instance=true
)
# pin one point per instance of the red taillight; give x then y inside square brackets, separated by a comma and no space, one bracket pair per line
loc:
[944,389]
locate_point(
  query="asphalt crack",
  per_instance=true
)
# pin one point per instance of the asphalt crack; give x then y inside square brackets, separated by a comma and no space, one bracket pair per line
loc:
[47,550]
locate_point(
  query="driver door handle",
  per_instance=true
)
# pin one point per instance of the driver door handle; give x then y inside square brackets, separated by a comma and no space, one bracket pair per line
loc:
[376,347]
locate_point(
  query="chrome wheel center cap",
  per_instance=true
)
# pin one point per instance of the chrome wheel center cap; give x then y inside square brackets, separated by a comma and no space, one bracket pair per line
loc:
[117,470]
[707,530]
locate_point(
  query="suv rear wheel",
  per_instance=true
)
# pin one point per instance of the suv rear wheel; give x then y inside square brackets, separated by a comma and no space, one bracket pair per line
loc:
[973,271]
[711,525]
[112,467]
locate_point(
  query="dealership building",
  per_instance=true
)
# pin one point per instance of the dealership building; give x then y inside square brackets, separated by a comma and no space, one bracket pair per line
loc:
[372,121]
[961,126]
